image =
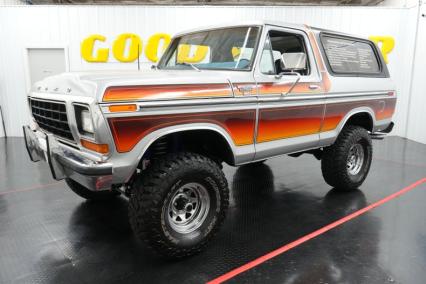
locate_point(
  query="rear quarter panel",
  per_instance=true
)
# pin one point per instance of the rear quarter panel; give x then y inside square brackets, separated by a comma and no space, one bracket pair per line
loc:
[353,93]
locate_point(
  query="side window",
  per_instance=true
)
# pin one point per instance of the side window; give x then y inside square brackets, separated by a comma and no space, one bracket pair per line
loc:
[350,56]
[267,61]
[288,46]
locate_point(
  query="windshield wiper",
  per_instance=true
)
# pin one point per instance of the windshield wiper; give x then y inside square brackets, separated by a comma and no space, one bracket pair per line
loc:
[190,65]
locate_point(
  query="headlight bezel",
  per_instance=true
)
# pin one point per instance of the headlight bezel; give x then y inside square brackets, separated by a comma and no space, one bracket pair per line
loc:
[84,120]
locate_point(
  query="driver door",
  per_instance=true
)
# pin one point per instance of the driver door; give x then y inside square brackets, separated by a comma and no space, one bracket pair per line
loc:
[291,106]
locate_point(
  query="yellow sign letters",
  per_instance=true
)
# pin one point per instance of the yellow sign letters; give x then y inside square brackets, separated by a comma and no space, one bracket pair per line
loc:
[387,44]
[119,47]
[154,41]
[125,47]
[87,47]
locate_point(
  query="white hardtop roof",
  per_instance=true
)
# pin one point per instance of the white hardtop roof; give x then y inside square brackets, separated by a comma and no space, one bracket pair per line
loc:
[245,23]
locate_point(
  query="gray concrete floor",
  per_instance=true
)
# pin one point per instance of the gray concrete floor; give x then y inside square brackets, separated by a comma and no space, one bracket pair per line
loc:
[50,235]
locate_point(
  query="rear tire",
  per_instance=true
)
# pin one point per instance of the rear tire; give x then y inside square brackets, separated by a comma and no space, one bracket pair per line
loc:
[178,204]
[88,194]
[346,163]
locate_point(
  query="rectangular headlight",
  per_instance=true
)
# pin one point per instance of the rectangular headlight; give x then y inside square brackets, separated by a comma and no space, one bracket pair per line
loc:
[86,121]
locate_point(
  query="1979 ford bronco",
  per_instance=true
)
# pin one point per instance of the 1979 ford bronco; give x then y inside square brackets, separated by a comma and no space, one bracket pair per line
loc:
[238,94]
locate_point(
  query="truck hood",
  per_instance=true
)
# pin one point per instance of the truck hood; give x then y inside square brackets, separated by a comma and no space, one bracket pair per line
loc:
[93,84]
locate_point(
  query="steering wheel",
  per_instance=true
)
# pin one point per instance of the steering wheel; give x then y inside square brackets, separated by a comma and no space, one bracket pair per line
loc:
[243,63]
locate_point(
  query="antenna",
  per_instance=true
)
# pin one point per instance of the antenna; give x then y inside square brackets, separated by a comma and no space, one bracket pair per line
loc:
[139,65]
[2,120]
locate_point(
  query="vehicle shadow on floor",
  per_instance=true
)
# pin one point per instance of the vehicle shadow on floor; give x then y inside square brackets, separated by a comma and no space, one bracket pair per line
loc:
[264,214]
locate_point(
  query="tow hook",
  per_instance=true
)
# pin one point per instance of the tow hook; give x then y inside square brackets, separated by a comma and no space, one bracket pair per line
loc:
[123,188]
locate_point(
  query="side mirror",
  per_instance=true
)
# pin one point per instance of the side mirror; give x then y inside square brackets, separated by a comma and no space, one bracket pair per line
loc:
[293,61]
[154,67]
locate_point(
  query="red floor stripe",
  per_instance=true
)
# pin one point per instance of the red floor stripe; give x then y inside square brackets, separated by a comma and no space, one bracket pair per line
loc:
[312,235]
[29,188]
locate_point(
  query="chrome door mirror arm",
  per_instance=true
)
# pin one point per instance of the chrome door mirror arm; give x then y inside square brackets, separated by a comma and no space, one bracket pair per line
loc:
[292,73]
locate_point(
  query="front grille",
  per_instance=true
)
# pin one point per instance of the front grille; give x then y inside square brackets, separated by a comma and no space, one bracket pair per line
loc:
[52,117]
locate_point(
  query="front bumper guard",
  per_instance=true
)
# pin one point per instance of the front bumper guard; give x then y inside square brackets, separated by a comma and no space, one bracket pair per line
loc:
[67,162]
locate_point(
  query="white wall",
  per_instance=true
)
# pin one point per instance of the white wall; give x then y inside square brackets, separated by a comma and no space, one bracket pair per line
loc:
[58,25]
[416,121]
[399,3]
[11,2]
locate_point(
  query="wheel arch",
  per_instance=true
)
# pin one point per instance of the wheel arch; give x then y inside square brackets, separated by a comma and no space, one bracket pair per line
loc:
[329,137]
[362,116]
[188,129]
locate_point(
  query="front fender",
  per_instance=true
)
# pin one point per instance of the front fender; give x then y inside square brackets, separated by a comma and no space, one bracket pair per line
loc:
[125,164]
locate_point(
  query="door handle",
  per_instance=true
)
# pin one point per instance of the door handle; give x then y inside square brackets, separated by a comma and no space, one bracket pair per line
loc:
[313,87]
[245,89]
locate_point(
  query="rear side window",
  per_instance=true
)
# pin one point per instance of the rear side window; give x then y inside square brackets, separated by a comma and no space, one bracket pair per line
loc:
[350,56]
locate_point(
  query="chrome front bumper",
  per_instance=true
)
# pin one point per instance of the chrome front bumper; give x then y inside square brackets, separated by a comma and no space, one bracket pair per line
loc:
[67,162]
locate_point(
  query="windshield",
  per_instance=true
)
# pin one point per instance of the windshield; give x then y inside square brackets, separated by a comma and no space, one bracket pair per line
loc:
[229,49]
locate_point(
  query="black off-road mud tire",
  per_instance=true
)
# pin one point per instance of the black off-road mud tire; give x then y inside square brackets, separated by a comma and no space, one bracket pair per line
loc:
[88,194]
[335,162]
[151,211]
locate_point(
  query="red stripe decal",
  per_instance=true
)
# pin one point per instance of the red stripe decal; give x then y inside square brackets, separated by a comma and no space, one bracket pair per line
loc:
[312,235]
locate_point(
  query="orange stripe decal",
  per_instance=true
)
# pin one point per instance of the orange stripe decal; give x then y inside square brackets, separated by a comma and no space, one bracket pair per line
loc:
[383,109]
[128,131]
[156,92]
[280,123]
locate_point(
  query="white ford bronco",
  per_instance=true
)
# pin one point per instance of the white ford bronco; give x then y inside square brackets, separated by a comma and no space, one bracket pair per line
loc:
[238,94]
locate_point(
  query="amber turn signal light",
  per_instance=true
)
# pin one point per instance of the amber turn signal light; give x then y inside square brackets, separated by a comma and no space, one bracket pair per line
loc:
[100,148]
[122,108]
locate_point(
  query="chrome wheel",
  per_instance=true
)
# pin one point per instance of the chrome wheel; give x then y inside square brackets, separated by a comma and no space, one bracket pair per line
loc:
[355,159]
[188,208]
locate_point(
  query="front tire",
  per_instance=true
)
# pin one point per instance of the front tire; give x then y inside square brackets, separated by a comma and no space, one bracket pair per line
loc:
[178,204]
[346,163]
[88,194]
